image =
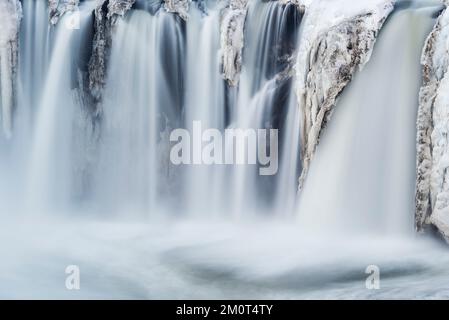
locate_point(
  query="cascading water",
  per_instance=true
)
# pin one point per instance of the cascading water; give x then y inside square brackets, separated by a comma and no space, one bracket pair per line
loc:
[204,102]
[129,173]
[35,39]
[90,144]
[362,178]
[142,101]
[35,52]
[50,163]
[264,98]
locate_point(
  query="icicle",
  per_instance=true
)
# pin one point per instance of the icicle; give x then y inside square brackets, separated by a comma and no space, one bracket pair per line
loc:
[10,16]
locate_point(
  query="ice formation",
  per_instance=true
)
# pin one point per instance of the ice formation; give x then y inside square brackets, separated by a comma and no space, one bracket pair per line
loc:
[105,15]
[100,47]
[232,39]
[10,16]
[119,7]
[180,7]
[338,38]
[432,187]
[57,8]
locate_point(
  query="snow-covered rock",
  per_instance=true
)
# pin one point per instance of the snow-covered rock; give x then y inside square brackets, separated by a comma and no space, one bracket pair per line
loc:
[432,181]
[295,2]
[105,18]
[10,16]
[119,7]
[105,15]
[338,37]
[180,7]
[100,48]
[232,39]
[57,8]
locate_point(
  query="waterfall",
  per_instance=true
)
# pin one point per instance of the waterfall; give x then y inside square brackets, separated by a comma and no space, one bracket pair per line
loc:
[224,190]
[264,97]
[104,146]
[34,57]
[362,178]
[163,71]
[205,102]
[49,174]
[141,102]
[97,96]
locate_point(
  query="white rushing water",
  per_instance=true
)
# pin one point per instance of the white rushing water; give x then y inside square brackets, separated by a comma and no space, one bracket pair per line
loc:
[362,178]
[87,180]
[137,104]
[50,161]
[265,101]
[204,102]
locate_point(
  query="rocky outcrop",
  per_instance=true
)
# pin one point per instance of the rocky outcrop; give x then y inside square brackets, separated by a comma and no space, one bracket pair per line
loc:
[232,40]
[10,16]
[119,7]
[57,8]
[180,7]
[327,60]
[432,179]
[105,17]
[100,48]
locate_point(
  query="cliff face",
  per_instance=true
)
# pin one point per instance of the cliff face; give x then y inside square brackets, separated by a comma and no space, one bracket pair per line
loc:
[335,44]
[432,181]
[10,16]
